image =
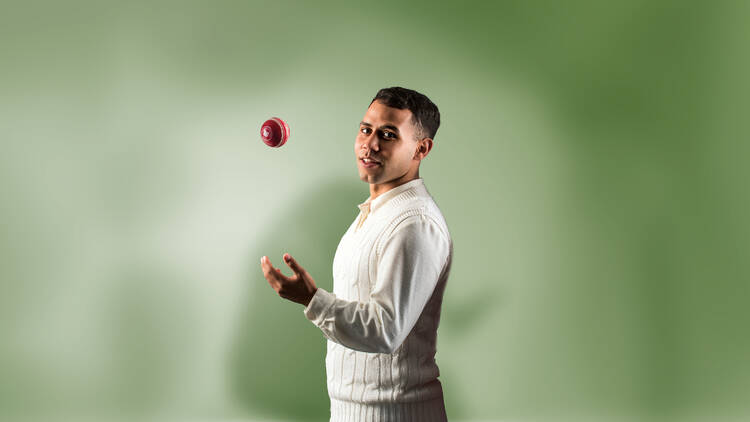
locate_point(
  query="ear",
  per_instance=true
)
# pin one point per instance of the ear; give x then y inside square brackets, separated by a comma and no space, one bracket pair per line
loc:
[424,146]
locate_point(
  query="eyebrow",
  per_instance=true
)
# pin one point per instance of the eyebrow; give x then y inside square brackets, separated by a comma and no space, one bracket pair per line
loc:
[391,127]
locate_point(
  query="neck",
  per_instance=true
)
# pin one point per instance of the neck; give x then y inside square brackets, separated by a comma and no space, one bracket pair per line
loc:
[379,189]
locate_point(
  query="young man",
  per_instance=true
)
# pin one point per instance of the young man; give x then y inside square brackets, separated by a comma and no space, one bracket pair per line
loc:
[389,274]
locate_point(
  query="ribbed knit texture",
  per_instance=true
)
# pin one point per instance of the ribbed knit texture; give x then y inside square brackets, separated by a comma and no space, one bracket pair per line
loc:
[389,274]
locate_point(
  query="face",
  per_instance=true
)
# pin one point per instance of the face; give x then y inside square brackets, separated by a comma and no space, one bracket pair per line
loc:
[387,136]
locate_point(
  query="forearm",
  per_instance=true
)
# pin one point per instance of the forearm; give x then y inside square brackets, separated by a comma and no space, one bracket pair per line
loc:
[368,327]
[409,265]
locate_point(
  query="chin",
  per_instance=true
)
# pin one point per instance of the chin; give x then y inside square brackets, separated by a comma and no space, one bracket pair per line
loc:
[367,178]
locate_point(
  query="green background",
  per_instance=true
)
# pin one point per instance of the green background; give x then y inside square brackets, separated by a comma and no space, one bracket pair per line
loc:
[591,165]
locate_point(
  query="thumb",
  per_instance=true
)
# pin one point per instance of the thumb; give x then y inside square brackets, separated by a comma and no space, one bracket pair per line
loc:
[292,263]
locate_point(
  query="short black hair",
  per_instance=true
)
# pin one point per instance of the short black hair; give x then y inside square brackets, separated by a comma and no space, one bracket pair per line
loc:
[425,114]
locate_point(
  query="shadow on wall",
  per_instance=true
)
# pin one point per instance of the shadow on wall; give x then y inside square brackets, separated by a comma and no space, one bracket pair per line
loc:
[277,361]
[148,318]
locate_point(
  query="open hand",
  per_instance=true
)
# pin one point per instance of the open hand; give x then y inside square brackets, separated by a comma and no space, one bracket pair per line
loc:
[299,288]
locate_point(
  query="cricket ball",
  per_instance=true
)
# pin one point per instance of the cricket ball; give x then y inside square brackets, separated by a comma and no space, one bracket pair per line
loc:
[274,132]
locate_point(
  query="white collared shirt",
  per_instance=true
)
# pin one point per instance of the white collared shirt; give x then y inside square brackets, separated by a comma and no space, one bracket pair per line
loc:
[389,274]
[371,205]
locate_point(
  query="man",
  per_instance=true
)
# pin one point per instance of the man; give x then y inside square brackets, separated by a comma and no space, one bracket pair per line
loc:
[389,275]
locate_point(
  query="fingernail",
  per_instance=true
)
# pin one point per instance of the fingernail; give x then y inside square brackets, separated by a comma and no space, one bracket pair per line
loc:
[261,259]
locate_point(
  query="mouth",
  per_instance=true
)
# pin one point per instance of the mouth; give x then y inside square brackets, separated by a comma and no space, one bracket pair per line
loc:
[367,162]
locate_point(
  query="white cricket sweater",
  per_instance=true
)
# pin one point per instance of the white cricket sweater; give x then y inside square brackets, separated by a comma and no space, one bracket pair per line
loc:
[389,274]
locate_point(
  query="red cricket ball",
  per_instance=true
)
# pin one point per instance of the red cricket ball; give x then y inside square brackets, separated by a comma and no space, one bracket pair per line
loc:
[274,132]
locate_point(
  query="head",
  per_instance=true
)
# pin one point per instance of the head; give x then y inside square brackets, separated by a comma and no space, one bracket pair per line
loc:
[397,131]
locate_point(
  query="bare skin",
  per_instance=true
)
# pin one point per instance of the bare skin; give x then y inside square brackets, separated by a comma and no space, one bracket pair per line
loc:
[299,288]
[386,135]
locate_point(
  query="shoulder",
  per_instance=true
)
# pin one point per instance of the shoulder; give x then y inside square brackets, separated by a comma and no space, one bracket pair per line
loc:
[421,208]
[418,223]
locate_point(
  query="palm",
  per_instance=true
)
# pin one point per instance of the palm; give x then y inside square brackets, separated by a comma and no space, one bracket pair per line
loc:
[298,288]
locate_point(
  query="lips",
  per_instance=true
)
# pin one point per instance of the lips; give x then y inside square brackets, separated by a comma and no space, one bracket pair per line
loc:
[371,163]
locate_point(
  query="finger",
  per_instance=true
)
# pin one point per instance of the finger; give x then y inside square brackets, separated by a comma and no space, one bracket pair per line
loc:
[292,263]
[273,283]
[275,273]
[265,265]
[268,271]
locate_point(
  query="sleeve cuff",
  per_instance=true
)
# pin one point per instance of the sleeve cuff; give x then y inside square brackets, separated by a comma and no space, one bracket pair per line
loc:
[319,304]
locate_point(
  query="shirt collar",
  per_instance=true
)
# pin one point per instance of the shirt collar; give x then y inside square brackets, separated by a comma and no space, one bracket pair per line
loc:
[378,202]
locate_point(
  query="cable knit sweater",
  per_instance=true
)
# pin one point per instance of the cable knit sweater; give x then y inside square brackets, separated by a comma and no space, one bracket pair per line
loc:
[389,274]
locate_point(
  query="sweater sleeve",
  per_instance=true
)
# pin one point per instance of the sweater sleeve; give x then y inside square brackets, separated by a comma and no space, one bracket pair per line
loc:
[412,260]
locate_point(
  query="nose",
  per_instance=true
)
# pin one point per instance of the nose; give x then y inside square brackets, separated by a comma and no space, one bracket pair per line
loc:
[372,142]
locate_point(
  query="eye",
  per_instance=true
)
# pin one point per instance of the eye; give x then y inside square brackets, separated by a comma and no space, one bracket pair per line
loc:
[389,135]
[364,130]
